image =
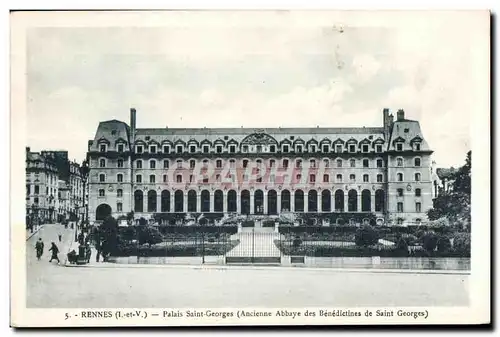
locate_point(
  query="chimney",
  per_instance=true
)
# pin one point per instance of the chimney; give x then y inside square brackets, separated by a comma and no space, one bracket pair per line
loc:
[28,149]
[401,115]
[132,118]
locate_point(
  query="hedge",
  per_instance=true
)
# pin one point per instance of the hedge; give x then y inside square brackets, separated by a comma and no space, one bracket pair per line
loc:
[198,249]
[303,249]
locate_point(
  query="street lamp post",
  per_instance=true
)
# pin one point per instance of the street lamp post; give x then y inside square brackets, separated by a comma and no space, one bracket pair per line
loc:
[84,172]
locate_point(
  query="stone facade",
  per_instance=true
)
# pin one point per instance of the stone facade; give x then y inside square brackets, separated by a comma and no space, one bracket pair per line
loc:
[54,188]
[384,172]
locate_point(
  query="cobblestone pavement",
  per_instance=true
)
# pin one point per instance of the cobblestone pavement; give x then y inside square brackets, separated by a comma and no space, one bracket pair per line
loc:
[53,286]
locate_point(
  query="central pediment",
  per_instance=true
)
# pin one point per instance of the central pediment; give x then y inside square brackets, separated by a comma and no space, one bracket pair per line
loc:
[259,138]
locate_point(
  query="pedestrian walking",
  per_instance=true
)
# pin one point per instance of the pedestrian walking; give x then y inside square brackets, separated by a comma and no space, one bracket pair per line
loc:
[39,248]
[55,251]
[60,237]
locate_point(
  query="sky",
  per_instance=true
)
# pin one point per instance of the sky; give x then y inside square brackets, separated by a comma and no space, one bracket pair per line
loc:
[271,72]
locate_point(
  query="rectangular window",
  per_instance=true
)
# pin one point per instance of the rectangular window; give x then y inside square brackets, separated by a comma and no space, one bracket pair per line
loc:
[152,179]
[179,178]
[119,207]
[179,164]
[417,147]
[165,164]
[245,148]
[352,178]
[138,178]
[400,192]
[325,148]
[37,189]
[120,163]
[286,149]
[365,148]
[312,163]
[366,178]
[205,180]
[245,163]
[120,178]
[138,149]
[218,163]
[338,148]
[166,149]
[219,149]
[366,163]
[192,164]
[380,178]
[101,193]
[272,148]
[259,148]
[179,149]
[399,147]
[232,163]
[206,149]
[285,163]
[102,148]
[152,164]
[352,148]
[191,178]
[299,148]
[232,149]
[312,178]
[165,178]
[378,148]
[339,178]
[192,149]
[152,149]
[272,163]
[400,207]
[298,163]
[120,147]
[418,207]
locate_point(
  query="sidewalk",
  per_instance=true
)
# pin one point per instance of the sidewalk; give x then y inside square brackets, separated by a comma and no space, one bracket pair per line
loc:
[94,264]
[36,230]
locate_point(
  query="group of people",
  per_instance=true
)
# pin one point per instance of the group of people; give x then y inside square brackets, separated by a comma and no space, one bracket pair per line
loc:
[39,246]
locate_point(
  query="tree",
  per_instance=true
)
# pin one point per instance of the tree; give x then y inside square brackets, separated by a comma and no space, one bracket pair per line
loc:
[109,233]
[455,204]
[366,236]
[149,235]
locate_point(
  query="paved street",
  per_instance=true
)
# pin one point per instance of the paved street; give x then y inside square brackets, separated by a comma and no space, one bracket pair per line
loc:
[55,286]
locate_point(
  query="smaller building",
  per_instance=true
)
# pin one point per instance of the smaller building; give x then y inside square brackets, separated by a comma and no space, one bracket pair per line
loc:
[41,188]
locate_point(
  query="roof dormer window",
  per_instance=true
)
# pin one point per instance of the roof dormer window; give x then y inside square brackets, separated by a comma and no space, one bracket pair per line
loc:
[364,148]
[120,147]
[352,148]
[286,149]
[166,149]
[298,148]
[178,149]
[417,146]
[192,149]
[338,148]
[152,149]
[399,146]
[138,149]
[378,148]
[102,147]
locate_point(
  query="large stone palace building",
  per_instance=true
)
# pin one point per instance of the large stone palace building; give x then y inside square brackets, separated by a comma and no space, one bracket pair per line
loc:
[377,173]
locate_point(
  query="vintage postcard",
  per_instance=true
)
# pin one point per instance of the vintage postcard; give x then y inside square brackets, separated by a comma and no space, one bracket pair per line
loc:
[240,168]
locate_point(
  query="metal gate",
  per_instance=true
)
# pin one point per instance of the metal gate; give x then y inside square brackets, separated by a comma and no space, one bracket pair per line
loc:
[255,246]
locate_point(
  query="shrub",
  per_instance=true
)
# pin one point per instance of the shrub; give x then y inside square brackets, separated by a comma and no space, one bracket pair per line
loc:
[443,244]
[297,241]
[149,235]
[429,241]
[248,223]
[268,223]
[366,236]
[461,243]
